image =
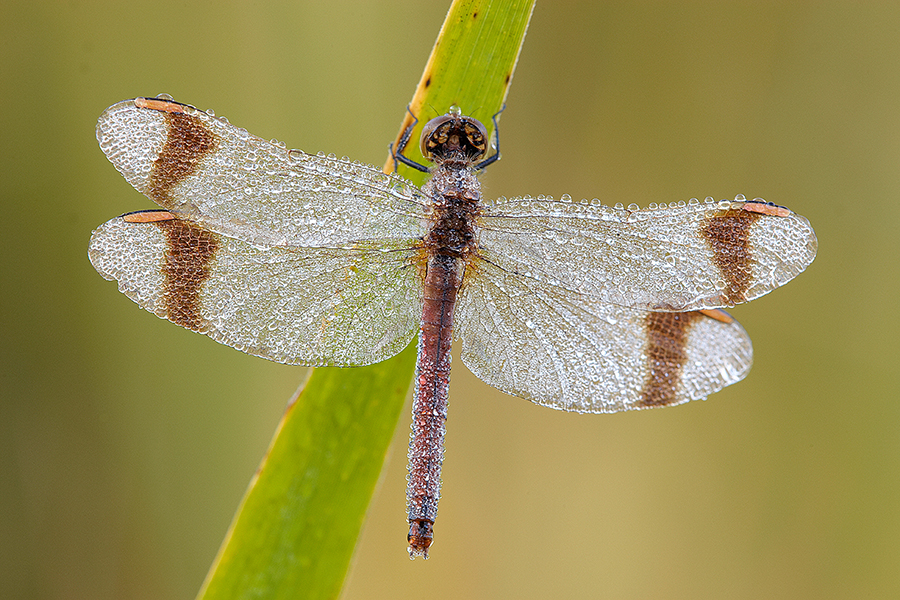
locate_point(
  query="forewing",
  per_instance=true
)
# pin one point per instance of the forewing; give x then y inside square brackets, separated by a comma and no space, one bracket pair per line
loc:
[208,171]
[292,305]
[685,256]
[571,352]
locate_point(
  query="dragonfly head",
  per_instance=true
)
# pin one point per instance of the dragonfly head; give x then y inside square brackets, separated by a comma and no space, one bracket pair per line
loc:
[454,134]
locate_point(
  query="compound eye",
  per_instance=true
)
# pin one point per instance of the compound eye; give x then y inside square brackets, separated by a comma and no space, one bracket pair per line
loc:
[477,136]
[434,136]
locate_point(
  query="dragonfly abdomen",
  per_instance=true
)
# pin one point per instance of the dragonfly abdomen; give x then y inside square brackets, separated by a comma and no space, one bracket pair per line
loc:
[432,385]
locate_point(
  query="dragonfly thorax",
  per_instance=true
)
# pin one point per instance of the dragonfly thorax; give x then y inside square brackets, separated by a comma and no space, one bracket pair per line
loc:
[455,198]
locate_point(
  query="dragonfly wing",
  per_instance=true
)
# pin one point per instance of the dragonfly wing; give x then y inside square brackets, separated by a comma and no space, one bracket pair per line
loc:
[206,170]
[571,352]
[686,256]
[310,306]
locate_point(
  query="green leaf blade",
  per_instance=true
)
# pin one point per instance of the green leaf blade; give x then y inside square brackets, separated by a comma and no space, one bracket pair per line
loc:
[298,524]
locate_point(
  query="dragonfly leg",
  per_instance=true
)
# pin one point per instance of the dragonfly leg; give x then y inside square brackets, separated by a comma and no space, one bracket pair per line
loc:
[401,146]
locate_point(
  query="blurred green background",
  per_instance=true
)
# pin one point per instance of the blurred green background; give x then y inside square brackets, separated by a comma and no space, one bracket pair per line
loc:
[126,442]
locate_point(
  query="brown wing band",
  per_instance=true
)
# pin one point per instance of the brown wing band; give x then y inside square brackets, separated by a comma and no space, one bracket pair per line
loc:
[187,142]
[189,253]
[728,235]
[667,336]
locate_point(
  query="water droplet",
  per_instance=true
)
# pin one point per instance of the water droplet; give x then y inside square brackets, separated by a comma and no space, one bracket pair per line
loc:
[565,198]
[740,198]
[633,206]
[454,110]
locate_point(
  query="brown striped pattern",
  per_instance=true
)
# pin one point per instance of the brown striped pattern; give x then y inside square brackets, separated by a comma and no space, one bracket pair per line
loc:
[187,142]
[728,235]
[189,252]
[667,337]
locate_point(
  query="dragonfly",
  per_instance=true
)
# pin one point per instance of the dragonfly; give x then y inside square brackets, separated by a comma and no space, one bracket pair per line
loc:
[310,259]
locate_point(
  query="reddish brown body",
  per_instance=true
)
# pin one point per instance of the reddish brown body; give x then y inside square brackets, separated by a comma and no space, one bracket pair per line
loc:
[455,195]
[426,446]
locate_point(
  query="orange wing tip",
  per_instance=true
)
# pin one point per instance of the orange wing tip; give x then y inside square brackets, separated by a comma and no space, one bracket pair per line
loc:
[148,216]
[160,104]
[766,208]
[718,315]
